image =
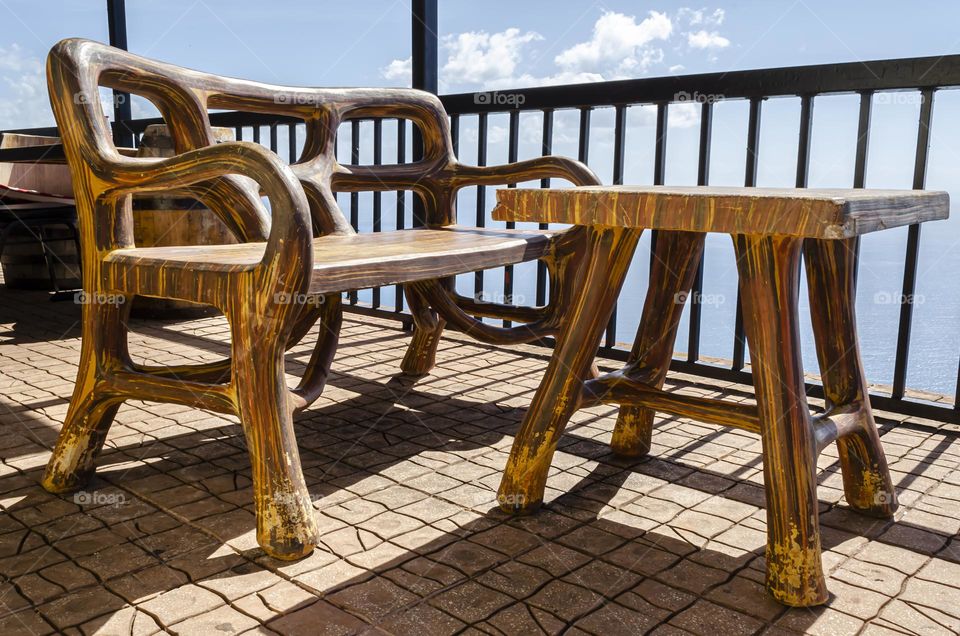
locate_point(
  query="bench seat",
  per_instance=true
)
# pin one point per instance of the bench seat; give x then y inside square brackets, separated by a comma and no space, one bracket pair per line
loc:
[340,263]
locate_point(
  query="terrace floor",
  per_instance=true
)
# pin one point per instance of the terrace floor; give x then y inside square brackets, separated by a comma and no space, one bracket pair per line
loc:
[404,476]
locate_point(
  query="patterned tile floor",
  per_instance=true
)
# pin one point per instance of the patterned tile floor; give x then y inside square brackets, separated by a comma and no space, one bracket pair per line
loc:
[403,476]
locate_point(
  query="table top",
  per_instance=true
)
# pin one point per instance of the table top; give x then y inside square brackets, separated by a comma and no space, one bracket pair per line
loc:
[806,212]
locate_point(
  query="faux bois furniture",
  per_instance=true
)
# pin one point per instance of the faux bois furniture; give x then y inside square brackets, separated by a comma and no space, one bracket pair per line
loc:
[290,265]
[771,228]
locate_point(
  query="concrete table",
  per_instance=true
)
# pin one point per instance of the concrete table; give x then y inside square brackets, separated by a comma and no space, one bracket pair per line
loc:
[771,228]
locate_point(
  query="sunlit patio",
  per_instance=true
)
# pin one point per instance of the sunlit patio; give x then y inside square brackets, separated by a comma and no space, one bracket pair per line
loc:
[626,345]
[403,476]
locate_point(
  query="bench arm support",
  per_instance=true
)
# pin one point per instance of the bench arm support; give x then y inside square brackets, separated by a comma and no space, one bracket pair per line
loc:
[289,241]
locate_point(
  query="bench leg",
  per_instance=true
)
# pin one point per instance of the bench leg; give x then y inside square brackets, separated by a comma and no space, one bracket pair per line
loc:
[92,408]
[286,525]
[594,291]
[831,282]
[769,280]
[671,277]
[318,368]
[421,353]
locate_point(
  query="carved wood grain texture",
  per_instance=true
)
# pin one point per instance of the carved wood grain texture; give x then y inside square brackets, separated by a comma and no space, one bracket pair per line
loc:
[769,284]
[777,225]
[280,278]
[340,263]
[673,269]
[813,213]
[831,282]
[599,275]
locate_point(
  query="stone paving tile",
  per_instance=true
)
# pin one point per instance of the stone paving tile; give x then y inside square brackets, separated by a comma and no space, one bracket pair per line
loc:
[80,606]
[707,619]
[180,603]
[318,617]
[404,477]
[222,620]
[471,602]
[373,599]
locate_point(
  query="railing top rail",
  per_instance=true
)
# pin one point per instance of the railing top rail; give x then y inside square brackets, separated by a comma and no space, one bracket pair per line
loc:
[228,119]
[850,77]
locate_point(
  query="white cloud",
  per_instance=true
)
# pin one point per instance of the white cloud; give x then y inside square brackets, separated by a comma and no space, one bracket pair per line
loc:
[695,17]
[398,70]
[482,58]
[707,40]
[14,59]
[619,45]
[683,115]
[23,90]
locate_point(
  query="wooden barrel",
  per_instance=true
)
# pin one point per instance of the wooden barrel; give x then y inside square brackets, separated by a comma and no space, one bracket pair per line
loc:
[24,266]
[166,221]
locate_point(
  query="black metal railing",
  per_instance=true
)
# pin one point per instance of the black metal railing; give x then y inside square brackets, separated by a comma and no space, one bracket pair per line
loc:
[865,79]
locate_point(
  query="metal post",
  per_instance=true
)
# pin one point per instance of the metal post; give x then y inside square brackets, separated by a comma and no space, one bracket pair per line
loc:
[117,26]
[913,250]
[425,45]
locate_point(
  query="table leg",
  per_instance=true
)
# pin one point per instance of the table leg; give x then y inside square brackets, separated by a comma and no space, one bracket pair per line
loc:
[671,277]
[831,282]
[594,290]
[769,280]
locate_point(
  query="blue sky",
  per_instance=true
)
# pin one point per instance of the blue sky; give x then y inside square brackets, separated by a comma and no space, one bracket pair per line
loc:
[338,43]
[496,44]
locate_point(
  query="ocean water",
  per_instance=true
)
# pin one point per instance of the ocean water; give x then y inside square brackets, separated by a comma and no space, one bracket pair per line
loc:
[935,346]
[935,336]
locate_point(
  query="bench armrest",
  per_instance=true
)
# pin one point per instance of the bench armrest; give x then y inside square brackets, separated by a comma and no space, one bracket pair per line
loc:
[290,237]
[548,167]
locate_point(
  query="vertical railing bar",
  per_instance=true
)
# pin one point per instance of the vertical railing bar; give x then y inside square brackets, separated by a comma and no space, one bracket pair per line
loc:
[481,217]
[619,140]
[863,139]
[749,180]
[703,177]
[455,138]
[425,74]
[377,196]
[805,134]
[913,249]
[292,143]
[256,134]
[546,149]
[583,149]
[238,136]
[401,198]
[513,150]
[803,143]
[860,166]
[122,108]
[660,149]
[273,138]
[659,161]
[455,133]
[354,196]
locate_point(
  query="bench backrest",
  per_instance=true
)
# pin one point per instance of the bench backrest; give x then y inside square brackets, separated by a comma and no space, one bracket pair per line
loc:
[77,69]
